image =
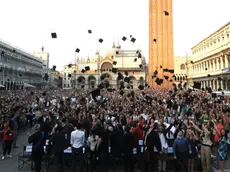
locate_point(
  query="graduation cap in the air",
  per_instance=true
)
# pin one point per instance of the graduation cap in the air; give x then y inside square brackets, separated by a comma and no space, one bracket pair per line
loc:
[54,67]
[83,71]
[161,66]
[70,65]
[165,70]
[100,40]
[114,62]
[171,70]
[171,80]
[14,50]
[126,73]
[133,40]
[166,13]
[166,77]
[89,31]
[117,52]
[124,38]
[140,66]
[44,93]
[154,40]
[114,70]
[206,68]
[77,50]
[54,35]
[87,68]
[209,75]
[69,75]
[192,62]
[139,55]
[135,59]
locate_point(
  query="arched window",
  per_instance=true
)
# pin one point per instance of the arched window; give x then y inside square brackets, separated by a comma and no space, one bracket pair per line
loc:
[182,66]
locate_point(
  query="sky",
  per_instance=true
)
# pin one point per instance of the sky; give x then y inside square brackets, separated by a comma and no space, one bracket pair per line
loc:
[28,24]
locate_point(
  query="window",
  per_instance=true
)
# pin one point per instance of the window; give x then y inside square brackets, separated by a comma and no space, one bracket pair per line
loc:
[64,85]
[182,66]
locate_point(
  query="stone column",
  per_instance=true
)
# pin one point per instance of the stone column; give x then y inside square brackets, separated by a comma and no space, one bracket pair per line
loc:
[221,84]
[226,61]
[221,63]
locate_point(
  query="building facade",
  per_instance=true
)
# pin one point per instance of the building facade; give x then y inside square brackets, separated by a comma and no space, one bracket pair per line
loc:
[115,61]
[18,68]
[180,70]
[46,72]
[160,41]
[209,64]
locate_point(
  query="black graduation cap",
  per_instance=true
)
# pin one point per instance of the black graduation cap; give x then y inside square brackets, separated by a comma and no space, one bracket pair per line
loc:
[83,71]
[154,40]
[54,35]
[133,40]
[124,38]
[69,75]
[139,55]
[114,62]
[54,67]
[89,31]
[161,66]
[137,52]
[209,75]
[117,52]
[166,13]
[126,73]
[44,94]
[206,68]
[165,70]
[140,66]
[77,50]
[114,70]
[70,65]
[14,50]
[100,40]
[131,36]
[135,59]
[192,62]
[166,77]
[171,80]
[87,68]
[171,70]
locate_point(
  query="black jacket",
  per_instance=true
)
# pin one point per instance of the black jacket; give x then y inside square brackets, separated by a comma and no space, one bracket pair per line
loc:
[128,144]
[153,140]
[38,141]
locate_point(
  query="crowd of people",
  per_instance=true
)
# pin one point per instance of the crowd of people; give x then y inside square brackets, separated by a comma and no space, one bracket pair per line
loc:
[193,123]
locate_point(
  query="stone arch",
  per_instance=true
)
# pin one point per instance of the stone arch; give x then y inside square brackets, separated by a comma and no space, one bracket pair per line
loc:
[106,67]
[91,82]
[133,81]
[142,81]
[182,66]
[80,81]
[105,75]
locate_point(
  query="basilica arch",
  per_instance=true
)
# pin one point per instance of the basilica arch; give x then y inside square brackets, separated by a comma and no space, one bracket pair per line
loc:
[80,81]
[91,82]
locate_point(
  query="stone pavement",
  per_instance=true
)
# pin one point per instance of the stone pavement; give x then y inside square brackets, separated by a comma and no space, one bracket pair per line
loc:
[10,164]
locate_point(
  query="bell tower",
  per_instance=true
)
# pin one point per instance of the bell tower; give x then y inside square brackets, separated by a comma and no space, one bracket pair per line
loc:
[161,55]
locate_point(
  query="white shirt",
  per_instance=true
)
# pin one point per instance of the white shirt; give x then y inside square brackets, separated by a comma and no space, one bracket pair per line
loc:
[77,138]
[164,144]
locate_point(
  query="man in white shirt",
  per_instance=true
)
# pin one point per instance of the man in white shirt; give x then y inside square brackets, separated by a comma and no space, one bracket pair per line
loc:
[77,141]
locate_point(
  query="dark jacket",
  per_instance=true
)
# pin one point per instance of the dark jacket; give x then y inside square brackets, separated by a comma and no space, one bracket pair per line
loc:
[128,144]
[153,140]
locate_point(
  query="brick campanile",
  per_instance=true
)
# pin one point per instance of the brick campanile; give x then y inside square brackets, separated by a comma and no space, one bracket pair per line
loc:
[160,42]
